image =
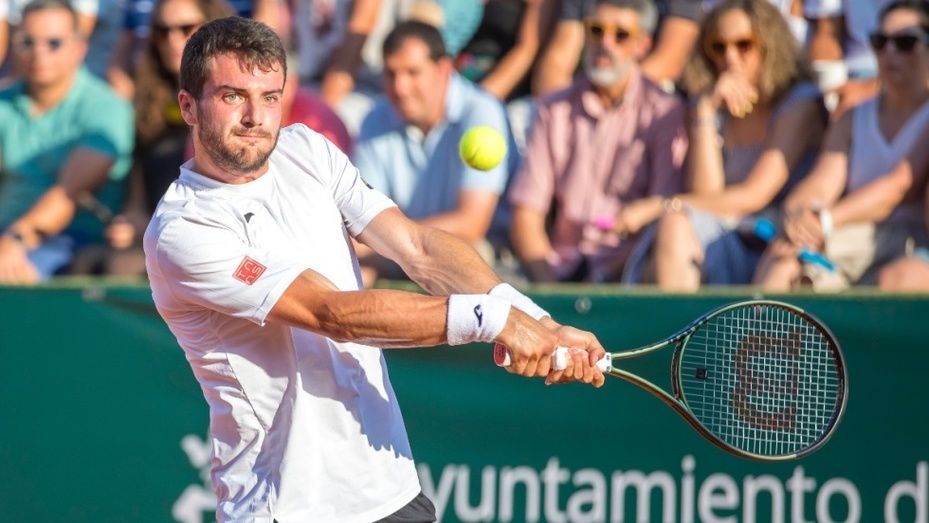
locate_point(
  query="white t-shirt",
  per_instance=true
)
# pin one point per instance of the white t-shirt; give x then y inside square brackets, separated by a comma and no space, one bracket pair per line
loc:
[303,428]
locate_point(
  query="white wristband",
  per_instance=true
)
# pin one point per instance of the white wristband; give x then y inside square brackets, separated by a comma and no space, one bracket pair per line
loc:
[825,222]
[518,300]
[475,317]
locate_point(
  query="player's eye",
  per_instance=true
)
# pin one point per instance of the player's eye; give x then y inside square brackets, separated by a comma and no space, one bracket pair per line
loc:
[232,97]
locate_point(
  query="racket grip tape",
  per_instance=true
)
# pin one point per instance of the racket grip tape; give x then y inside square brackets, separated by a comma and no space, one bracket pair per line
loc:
[559,358]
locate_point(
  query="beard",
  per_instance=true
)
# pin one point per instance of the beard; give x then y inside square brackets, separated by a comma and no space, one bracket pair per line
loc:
[236,159]
[605,76]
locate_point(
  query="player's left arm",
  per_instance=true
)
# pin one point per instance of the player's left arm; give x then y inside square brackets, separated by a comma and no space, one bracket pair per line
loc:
[443,264]
[435,259]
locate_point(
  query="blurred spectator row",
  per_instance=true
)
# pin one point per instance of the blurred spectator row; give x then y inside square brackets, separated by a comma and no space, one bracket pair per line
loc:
[782,143]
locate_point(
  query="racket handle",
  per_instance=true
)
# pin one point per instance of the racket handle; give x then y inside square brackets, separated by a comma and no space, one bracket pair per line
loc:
[559,358]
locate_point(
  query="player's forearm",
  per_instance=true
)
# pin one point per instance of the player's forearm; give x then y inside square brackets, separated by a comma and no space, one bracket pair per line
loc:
[447,265]
[396,319]
[384,318]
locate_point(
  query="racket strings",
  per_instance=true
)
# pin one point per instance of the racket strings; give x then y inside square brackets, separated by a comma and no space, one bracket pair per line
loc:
[763,379]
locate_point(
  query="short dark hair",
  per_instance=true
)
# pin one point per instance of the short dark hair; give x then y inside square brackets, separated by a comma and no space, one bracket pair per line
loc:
[920,6]
[253,43]
[41,5]
[427,34]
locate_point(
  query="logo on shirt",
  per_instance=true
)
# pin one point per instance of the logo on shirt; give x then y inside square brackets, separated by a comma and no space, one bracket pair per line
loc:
[479,313]
[249,271]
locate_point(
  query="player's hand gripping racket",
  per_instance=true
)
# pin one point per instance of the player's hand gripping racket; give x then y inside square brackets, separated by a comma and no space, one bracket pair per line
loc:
[760,379]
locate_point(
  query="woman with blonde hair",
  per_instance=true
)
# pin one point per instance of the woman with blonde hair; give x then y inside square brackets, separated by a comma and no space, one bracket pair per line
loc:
[756,123]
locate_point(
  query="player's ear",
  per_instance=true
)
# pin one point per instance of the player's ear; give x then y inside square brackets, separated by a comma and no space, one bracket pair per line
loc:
[188,105]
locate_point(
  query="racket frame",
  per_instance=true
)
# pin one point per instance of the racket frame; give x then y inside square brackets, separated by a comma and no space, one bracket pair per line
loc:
[678,402]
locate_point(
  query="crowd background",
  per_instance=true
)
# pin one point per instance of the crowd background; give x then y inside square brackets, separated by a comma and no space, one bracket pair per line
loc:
[682,143]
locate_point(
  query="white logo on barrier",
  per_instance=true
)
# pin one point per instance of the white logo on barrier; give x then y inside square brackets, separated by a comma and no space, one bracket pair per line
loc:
[196,499]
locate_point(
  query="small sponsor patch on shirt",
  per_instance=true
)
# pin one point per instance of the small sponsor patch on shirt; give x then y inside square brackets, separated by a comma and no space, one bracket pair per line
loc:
[249,271]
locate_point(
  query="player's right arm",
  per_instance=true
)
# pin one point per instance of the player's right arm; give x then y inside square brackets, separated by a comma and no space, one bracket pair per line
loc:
[399,319]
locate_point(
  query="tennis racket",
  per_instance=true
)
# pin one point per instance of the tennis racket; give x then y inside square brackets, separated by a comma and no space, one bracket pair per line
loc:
[759,379]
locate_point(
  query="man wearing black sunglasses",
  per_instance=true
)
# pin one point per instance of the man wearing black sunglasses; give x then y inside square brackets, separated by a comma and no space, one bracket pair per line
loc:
[904,43]
[611,139]
[64,135]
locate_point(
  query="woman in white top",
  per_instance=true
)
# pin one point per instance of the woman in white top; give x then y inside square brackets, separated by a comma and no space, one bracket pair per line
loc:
[831,210]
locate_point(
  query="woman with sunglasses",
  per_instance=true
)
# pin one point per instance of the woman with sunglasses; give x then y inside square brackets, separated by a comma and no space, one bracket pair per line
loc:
[161,133]
[862,204]
[755,126]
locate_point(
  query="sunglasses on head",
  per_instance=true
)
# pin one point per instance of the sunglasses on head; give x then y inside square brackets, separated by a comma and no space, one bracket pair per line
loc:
[163,30]
[718,48]
[28,44]
[904,43]
[597,29]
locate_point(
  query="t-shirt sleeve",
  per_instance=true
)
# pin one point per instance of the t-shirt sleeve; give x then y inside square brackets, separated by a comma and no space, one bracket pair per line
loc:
[4,10]
[211,266]
[358,202]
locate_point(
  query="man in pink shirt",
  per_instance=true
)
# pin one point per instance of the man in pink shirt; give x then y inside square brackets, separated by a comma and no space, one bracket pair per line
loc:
[609,139]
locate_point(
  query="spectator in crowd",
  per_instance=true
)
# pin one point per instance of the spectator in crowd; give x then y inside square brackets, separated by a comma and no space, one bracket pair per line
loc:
[408,145]
[836,209]
[132,42]
[65,140]
[755,127]
[611,139]
[11,13]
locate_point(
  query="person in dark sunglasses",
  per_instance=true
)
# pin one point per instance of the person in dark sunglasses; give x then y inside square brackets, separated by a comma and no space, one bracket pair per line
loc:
[904,43]
[611,139]
[63,135]
[864,203]
[756,122]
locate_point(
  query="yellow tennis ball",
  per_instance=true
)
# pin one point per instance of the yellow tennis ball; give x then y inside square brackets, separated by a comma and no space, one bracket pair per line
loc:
[482,147]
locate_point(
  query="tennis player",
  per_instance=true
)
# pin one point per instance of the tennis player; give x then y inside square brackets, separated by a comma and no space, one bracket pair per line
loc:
[251,266]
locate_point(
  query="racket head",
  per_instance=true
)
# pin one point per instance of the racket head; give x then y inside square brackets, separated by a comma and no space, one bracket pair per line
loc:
[761,379]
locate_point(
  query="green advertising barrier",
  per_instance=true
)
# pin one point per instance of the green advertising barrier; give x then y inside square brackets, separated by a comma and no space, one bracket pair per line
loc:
[103,421]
